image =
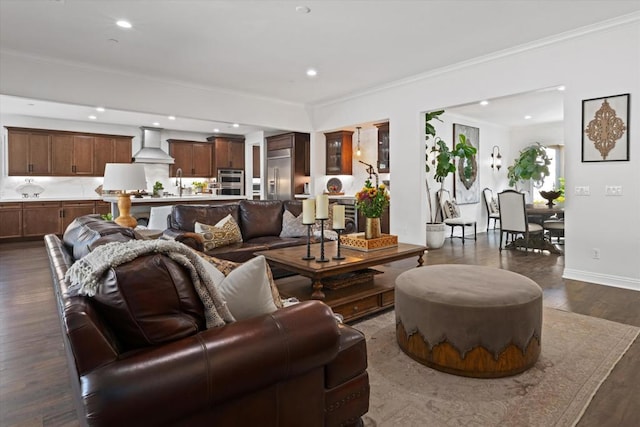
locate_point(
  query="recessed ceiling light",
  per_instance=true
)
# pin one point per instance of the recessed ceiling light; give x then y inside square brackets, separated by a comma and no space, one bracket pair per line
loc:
[100,109]
[31,104]
[527,117]
[172,117]
[483,103]
[123,24]
[561,88]
[216,130]
[303,9]
[156,124]
[235,125]
[311,72]
[92,117]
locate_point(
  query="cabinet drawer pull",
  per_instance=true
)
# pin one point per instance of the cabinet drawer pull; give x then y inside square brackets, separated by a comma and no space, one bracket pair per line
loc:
[355,308]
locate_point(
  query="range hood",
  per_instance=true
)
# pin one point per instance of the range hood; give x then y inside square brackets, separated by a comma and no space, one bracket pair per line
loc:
[151,151]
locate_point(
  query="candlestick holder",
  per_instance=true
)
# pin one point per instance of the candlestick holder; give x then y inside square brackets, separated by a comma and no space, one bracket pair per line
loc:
[322,258]
[338,256]
[308,257]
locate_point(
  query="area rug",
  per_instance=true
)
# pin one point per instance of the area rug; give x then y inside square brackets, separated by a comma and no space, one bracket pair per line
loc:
[578,353]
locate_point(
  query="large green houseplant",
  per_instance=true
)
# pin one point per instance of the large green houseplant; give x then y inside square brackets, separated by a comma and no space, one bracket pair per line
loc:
[443,164]
[532,164]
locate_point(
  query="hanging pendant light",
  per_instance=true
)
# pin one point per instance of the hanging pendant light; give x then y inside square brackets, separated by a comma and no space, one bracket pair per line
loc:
[358,152]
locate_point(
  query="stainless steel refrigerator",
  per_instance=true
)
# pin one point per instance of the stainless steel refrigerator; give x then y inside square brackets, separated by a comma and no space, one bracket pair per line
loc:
[279,174]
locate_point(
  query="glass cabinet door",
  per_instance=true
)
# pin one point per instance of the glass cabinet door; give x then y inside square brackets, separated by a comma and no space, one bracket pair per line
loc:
[383,147]
[338,150]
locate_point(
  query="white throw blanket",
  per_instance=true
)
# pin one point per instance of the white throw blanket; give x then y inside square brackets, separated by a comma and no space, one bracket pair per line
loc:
[85,275]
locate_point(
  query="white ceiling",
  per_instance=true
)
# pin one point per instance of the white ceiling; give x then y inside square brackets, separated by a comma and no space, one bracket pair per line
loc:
[264,47]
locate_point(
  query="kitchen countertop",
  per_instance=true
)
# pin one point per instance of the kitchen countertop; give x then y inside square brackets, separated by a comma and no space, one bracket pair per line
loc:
[331,197]
[171,199]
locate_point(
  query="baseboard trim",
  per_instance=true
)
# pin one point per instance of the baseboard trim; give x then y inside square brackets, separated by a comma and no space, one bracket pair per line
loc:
[602,279]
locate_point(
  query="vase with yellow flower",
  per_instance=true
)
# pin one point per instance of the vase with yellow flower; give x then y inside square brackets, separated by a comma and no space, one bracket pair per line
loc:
[371,202]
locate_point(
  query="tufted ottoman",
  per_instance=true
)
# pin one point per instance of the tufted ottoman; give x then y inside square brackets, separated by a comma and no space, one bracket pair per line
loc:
[469,320]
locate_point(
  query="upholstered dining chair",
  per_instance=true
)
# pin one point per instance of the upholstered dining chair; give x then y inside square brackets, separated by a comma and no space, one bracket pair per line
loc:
[493,209]
[451,214]
[513,217]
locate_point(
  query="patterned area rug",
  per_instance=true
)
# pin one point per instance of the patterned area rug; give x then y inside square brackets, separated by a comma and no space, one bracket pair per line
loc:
[578,353]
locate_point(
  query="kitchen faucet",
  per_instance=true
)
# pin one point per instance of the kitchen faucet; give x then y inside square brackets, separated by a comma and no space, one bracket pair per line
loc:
[179,180]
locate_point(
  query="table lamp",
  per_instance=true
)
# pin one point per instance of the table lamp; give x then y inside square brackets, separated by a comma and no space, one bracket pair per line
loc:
[123,177]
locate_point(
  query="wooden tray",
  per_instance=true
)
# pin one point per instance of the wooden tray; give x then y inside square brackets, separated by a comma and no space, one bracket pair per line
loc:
[358,242]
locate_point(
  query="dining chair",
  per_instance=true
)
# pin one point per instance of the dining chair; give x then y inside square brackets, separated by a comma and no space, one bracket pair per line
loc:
[451,214]
[493,208]
[513,217]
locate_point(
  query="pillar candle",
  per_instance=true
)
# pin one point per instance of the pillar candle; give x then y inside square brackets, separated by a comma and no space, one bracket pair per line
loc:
[308,211]
[322,207]
[338,217]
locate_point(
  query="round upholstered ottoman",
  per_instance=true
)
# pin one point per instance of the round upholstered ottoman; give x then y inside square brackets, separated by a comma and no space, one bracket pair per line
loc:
[469,320]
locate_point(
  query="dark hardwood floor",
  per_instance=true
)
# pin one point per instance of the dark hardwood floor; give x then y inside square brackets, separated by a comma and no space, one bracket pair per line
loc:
[34,385]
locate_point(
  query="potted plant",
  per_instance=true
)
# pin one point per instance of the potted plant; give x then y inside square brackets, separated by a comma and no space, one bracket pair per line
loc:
[372,201]
[444,163]
[532,164]
[157,189]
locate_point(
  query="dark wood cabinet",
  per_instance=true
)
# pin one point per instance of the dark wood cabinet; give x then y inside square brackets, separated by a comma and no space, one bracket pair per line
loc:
[193,157]
[229,152]
[40,218]
[339,152]
[110,150]
[256,161]
[72,155]
[383,147]
[63,153]
[298,143]
[10,220]
[72,210]
[29,152]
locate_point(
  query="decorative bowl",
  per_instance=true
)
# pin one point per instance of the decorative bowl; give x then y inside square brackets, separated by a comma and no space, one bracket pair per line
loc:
[550,196]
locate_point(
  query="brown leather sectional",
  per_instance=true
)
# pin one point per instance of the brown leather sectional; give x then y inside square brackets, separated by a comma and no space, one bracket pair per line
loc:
[149,360]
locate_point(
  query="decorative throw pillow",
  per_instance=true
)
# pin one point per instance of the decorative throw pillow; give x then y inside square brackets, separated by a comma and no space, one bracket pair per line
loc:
[451,209]
[495,208]
[292,226]
[226,267]
[224,233]
[246,289]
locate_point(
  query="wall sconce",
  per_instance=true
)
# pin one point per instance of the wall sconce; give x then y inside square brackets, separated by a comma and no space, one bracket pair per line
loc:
[358,152]
[496,158]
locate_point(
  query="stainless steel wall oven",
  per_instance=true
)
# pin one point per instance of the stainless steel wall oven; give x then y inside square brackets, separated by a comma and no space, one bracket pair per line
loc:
[231,182]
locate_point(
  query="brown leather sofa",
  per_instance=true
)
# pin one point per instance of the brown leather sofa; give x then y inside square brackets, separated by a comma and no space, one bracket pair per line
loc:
[149,360]
[260,223]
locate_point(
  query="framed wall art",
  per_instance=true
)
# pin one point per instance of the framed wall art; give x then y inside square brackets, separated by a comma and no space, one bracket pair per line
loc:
[605,129]
[467,190]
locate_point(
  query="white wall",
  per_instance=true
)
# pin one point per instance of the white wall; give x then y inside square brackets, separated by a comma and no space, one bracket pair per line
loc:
[568,62]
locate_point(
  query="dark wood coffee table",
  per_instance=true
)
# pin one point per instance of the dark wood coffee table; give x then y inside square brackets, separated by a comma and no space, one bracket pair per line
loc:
[357,300]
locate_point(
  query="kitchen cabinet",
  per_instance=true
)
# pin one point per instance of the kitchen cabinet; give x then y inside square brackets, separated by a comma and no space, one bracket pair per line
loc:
[339,152]
[72,210]
[108,149]
[72,155]
[256,161]
[193,157]
[102,208]
[40,218]
[229,152]
[29,152]
[10,220]
[383,147]
[63,153]
[298,146]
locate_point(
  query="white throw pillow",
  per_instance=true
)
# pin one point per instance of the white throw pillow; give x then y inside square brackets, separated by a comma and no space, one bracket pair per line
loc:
[246,289]
[292,226]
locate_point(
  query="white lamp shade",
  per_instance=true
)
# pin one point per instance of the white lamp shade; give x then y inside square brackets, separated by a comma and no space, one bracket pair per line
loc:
[124,176]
